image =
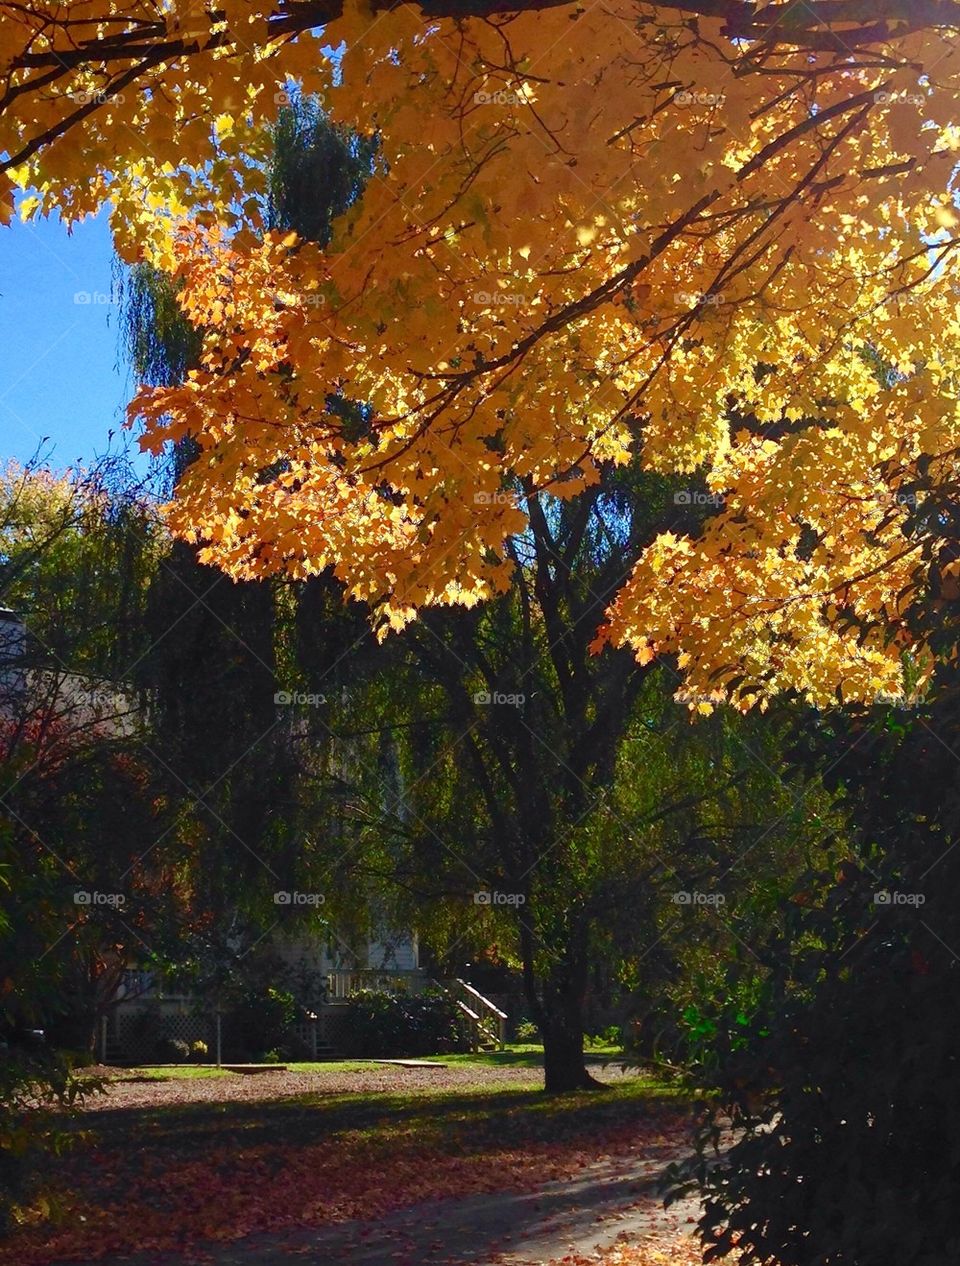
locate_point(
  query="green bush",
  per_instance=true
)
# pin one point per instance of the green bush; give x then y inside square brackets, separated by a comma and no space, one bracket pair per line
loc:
[174,1050]
[610,1036]
[841,1073]
[36,1087]
[259,1022]
[842,1085]
[382,1025]
[849,1110]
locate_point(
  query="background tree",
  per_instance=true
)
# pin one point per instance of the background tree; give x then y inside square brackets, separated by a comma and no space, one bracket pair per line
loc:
[77,550]
[78,805]
[77,793]
[248,767]
[567,782]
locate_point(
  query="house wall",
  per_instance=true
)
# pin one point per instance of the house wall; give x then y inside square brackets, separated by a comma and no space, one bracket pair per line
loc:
[397,951]
[387,951]
[77,703]
[13,641]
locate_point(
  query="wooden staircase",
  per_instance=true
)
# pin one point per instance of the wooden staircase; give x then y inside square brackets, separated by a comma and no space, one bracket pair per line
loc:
[487,1024]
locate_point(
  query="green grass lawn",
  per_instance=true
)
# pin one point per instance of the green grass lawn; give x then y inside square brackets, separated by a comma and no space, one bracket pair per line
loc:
[516,1055]
[163,1072]
[441,1116]
[521,1054]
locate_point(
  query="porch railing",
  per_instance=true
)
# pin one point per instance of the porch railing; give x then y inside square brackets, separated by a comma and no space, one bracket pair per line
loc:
[342,985]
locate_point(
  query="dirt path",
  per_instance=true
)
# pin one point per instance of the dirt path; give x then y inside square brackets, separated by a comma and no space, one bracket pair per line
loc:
[610,1202]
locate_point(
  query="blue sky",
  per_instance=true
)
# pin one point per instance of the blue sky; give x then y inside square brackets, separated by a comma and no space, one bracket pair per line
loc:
[61,372]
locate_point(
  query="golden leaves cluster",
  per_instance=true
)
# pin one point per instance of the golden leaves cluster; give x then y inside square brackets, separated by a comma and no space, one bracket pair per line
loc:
[599,234]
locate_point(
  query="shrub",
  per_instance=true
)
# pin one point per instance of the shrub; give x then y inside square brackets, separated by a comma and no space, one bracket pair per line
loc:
[199,1051]
[259,1022]
[174,1050]
[843,1078]
[32,1083]
[610,1036]
[384,1025]
[527,1031]
[843,1086]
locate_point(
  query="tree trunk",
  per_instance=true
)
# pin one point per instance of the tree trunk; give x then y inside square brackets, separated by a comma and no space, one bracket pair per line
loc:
[558,1011]
[563,1066]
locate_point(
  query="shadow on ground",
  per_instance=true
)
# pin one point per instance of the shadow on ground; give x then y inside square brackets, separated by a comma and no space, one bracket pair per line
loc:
[608,1202]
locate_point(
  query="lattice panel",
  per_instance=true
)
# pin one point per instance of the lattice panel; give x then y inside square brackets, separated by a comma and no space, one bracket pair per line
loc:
[138,1044]
[331,1026]
[134,1041]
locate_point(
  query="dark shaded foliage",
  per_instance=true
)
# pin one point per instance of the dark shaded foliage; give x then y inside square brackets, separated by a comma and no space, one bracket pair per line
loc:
[846,1079]
[317,171]
[388,1026]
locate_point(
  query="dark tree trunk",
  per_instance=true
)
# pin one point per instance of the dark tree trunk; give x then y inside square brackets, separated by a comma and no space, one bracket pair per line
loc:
[563,1066]
[558,1011]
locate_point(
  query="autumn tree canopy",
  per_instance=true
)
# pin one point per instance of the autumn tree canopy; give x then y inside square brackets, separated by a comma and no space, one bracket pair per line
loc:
[715,238]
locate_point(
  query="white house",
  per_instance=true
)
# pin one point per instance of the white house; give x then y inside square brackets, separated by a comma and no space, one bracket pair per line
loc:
[87,706]
[389,963]
[335,965]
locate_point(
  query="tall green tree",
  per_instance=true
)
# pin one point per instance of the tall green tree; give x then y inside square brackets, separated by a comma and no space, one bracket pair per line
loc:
[247,767]
[568,786]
